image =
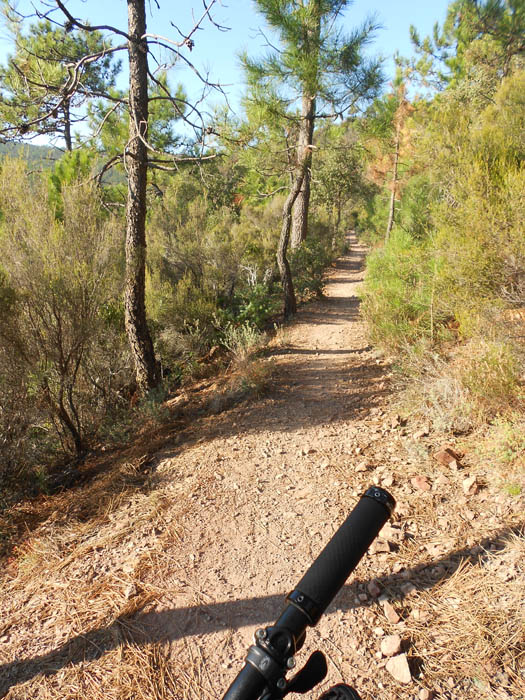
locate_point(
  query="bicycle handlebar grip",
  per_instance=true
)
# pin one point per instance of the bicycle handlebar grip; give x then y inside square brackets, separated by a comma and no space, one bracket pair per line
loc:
[343,552]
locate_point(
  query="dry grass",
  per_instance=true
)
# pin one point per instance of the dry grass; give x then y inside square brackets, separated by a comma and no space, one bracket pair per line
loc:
[473,626]
[130,672]
[467,388]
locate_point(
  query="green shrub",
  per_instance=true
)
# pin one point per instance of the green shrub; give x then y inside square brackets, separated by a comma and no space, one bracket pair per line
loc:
[492,376]
[60,353]
[398,298]
[308,263]
[242,341]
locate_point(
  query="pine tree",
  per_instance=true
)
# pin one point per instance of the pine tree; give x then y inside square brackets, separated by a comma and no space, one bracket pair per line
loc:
[318,72]
[138,154]
[50,77]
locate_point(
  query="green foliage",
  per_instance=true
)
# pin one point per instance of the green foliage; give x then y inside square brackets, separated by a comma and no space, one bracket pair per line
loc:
[60,356]
[69,170]
[478,38]
[35,82]
[339,186]
[256,305]
[315,59]
[242,340]
[415,208]
[109,119]
[455,262]
[397,299]
[309,262]
[466,215]
[495,375]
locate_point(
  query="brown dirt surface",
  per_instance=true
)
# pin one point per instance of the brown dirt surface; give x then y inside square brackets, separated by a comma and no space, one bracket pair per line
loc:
[157,591]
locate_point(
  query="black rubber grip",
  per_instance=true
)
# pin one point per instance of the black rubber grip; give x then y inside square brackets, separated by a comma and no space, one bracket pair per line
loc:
[341,555]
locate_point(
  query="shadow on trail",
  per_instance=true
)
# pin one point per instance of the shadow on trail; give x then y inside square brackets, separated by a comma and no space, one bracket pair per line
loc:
[150,627]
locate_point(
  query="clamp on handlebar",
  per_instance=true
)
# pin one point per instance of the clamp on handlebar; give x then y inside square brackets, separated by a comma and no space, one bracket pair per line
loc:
[273,655]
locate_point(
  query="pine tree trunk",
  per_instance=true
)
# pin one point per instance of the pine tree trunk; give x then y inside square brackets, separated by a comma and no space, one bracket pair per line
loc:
[289,301]
[391,212]
[304,154]
[146,367]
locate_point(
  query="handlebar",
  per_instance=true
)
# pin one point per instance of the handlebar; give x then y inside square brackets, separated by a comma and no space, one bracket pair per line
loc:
[272,655]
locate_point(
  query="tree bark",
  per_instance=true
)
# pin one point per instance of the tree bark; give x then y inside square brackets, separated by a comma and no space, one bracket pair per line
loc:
[146,367]
[289,300]
[304,154]
[67,126]
[310,88]
[391,212]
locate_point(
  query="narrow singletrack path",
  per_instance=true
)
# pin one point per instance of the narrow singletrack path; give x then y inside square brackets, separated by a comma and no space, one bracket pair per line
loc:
[274,477]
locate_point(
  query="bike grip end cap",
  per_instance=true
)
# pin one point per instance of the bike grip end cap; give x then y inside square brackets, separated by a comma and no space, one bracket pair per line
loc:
[381,496]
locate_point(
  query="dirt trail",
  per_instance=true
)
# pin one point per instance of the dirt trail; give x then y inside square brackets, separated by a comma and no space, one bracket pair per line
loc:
[281,476]
[242,503]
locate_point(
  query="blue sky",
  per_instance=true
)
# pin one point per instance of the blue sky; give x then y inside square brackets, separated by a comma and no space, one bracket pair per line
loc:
[216,52]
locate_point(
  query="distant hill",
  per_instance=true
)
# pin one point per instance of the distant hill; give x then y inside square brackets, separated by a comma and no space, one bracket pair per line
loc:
[42,156]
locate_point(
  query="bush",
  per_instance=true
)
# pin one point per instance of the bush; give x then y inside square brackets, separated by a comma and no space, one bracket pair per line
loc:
[308,263]
[491,375]
[242,341]
[61,279]
[398,293]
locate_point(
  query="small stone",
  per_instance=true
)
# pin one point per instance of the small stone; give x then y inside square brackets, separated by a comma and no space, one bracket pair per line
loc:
[374,589]
[425,694]
[390,613]
[363,597]
[446,456]
[362,467]
[398,667]
[391,645]
[408,588]
[423,432]
[470,486]
[390,532]
[379,631]
[421,483]
[442,481]
[379,546]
